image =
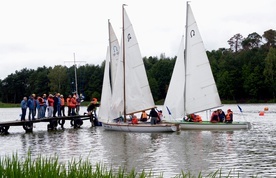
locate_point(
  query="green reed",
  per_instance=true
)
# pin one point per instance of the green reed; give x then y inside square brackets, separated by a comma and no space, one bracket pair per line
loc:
[42,167]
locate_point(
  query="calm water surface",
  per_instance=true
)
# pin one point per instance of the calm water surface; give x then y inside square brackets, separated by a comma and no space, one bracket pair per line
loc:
[247,152]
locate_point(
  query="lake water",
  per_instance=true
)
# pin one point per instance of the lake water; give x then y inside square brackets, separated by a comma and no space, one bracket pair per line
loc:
[247,152]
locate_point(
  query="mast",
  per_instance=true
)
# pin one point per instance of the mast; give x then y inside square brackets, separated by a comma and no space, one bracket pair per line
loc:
[124,56]
[110,55]
[185,57]
[76,79]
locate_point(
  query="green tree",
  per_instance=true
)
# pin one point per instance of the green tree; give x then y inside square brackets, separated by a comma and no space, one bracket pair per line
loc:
[253,40]
[58,79]
[270,36]
[270,70]
[235,42]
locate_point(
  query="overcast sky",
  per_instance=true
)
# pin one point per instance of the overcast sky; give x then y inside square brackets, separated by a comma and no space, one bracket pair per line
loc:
[34,33]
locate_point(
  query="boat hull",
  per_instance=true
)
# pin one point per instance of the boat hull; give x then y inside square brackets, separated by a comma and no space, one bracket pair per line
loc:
[206,125]
[125,127]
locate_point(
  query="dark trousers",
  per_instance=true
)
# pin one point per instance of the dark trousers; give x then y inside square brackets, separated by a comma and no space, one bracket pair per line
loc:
[24,110]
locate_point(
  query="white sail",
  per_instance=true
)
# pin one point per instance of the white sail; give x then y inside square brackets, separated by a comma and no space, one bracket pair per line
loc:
[104,108]
[114,53]
[131,92]
[138,93]
[201,91]
[111,63]
[192,87]
[174,102]
[117,98]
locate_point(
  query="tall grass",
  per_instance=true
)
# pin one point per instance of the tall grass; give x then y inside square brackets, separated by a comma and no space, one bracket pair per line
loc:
[42,167]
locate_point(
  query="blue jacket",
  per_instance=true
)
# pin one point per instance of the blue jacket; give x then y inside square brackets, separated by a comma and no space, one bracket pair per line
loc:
[31,103]
[23,104]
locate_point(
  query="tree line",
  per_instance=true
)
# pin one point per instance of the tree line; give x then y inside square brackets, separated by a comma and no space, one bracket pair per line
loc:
[244,72]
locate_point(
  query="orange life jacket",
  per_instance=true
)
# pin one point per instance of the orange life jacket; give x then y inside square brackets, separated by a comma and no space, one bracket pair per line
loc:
[62,101]
[68,101]
[197,118]
[228,116]
[73,103]
[134,120]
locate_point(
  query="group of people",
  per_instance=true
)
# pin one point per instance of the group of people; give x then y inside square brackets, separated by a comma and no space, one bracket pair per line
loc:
[220,116]
[154,116]
[217,116]
[193,118]
[53,104]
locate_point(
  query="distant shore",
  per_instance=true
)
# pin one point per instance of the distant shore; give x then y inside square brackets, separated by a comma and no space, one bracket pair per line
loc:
[161,102]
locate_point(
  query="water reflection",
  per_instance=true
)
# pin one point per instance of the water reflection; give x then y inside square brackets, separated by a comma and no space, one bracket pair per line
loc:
[249,152]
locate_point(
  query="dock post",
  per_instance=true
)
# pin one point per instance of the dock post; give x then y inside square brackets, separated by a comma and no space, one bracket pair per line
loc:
[28,126]
[4,130]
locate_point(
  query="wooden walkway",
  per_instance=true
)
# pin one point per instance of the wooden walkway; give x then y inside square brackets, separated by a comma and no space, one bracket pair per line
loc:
[27,125]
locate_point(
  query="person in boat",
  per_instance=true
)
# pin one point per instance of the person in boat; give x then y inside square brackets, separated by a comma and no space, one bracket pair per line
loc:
[214,117]
[144,116]
[229,116]
[153,115]
[160,116]
[194,118]
[134,119]
[221,115]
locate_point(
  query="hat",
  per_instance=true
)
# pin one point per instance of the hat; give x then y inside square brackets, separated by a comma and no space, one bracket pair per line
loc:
[229,110]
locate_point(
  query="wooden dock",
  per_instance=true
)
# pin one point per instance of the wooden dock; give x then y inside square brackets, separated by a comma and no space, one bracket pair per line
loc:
[75,121]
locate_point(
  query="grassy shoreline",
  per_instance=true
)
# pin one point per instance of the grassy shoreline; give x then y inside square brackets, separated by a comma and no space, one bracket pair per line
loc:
[42,167]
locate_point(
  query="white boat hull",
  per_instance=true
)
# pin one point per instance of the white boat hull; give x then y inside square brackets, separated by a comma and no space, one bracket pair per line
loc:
[125,127]
[213,126]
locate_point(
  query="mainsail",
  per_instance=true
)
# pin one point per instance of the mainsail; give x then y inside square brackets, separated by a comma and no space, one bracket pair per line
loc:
[192,87]
[138,93]
[111,62]
[201,91]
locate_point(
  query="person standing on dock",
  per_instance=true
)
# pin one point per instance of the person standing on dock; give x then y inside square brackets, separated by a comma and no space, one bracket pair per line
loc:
[73,105]
[68,103]
[23,104]
[78,101]
[32,107]
[56,105]
[62,105]
[50,105]
[45,104]
[41,110]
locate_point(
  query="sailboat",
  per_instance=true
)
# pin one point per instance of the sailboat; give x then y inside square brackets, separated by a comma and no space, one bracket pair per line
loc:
[192,87]
[131,92]
[111,62]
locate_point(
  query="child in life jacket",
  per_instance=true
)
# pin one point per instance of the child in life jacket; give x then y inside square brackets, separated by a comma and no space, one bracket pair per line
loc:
[229,116]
